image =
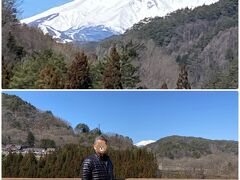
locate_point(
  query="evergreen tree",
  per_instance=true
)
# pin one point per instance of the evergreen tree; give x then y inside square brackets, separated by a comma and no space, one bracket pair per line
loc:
[47,143]
[224,80]
[28,166]
[40,70]
[97,71]
[12,57]
[65,163]
[78,73]
[30,139]
[49,78]
[7,73]
[129,73]
[182,82]
[7,165]
[164,86]
[117,70]
[112,72]
[14,48]
[96,131]
[81,128]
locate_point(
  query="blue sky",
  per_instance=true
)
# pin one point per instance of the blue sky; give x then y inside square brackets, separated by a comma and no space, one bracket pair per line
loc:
[33,7]
[145,115]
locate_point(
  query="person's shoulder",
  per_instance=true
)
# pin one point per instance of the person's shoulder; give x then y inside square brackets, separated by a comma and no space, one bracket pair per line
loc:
[107,158]
[90,157]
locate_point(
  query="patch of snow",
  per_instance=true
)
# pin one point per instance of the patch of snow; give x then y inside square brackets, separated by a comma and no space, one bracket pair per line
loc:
[144,143]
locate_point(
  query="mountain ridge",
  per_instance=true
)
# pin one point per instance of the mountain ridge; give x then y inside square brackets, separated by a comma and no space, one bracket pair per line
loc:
[115,17]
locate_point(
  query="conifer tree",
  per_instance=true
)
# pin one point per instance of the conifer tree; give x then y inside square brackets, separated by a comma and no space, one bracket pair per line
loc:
[30,139]
[112,73]
[164,86]
[129,73]
[78,73]
[28,167]
[182,82]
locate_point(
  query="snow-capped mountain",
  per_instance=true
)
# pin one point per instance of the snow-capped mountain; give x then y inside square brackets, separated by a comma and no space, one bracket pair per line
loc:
[144,143]
[93,20]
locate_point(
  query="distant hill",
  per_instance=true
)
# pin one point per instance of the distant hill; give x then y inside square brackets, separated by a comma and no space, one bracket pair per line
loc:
[20,117]
[180,156]
[175,147]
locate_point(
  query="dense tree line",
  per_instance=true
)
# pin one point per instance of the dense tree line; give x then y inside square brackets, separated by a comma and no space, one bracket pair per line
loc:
[223,14]
[66,162]
[201,26]
[39,62]
[48,70]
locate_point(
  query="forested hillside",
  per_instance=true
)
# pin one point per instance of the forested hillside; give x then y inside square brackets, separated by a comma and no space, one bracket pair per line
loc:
[21,120]
[198,46]
[189,48]
[181,157]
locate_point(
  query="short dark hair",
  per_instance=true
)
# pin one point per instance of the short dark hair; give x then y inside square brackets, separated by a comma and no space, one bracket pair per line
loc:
[101,137]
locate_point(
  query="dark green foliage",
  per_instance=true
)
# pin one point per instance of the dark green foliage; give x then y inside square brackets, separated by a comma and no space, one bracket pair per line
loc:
[225,80]
[28,166]
[129,72]
[81,128]
[182,60]
[117,71]
[40,70]
[11,165]
[229,54]
[96,72]
[176,147]
[96,131]
[66,163]
[14,48]
[30,139]
[78,73]
[16,104]
[47,143]
[12,52]
[163,29]
[13,55]
[112,72]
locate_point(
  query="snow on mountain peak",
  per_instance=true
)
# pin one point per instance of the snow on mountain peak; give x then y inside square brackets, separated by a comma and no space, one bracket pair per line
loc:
[114,15]
[144,143]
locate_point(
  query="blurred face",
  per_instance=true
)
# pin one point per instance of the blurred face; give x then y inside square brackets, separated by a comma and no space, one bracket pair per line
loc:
[100,147]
